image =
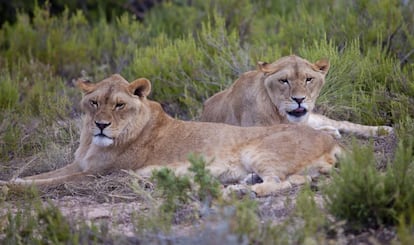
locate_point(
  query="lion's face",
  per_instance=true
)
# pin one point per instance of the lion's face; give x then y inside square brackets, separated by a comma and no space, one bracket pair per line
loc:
[293,85]
[113,108]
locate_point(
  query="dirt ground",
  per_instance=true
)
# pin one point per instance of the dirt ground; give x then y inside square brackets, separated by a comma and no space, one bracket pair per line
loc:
[110,200]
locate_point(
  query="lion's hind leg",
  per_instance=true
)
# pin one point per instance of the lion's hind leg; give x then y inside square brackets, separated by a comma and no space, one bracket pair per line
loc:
[282,174]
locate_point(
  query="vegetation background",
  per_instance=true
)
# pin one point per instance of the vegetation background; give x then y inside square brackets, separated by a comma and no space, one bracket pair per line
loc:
[191,49]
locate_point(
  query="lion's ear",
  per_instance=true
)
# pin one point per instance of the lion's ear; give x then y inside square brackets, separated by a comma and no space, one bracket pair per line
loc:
[322,65]
[263,66]
[140,87]
[266,67]
[85,85]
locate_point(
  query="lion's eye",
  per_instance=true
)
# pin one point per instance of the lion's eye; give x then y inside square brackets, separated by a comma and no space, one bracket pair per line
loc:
[284,81]
[93,103]
[119,106]
[309,79]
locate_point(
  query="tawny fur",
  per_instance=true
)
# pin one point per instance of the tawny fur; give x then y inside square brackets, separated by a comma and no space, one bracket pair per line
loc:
[122,129]
[281,92]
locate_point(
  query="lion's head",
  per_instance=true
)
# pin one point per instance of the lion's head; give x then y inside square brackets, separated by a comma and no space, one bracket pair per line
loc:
[111,109]
[293,85]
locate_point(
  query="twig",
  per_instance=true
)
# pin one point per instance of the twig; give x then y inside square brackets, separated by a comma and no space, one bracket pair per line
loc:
[20,170]
[405,58]
[390,38]
[122,197]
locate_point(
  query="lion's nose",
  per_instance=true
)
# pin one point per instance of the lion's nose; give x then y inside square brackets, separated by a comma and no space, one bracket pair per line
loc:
[298,99]
[101,125]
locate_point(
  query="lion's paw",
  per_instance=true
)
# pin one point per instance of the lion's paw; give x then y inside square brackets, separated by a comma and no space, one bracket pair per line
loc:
[330,130]
[299,179]
[266,189]
[238,191]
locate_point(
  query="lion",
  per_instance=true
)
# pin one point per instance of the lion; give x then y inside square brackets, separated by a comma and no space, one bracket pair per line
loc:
[284,91]
[123,129]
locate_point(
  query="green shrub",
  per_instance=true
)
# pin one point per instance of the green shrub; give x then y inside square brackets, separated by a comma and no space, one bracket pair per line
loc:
[246,222]
[295,24]
[358,193]
[208,187]
[41,101]
[51,40]
[70,44]
[176,21]
[186,71]
[400,177]
[9,93]
[176,193]
[312,215]
[405,229]
[358,87]
[171,67]
[366,197]
[175,190]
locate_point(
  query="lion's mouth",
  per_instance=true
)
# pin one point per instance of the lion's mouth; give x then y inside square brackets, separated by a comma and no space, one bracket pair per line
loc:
[102,140]
[298,112]
[102,135]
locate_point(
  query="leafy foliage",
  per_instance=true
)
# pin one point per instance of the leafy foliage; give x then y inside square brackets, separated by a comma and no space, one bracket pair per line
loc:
[174,189]
[366,197]
[208,186]
[246,221]
[177,189]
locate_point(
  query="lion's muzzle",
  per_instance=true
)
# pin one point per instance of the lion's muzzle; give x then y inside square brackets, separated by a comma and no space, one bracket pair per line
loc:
[100,137]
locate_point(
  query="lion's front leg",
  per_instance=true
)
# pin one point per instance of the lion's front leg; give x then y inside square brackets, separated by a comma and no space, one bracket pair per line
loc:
[69,172]
[323,123]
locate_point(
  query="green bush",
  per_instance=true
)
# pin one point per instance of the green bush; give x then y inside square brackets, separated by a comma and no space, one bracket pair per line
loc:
[360,88]
[246,221]
[208,187]
[174,189]
[177,190]
[176,21]
[177,193]
[358,193]
[9,92]
[405,229]
[186,71]
[34,101]
[366,197]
